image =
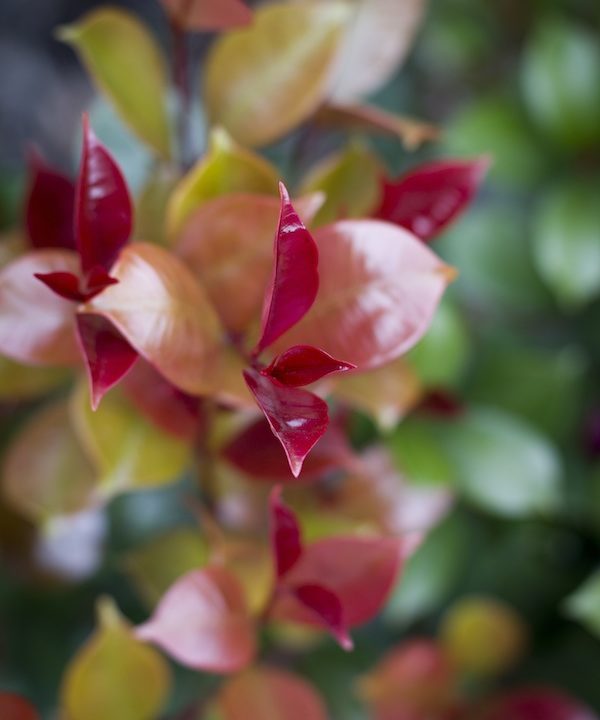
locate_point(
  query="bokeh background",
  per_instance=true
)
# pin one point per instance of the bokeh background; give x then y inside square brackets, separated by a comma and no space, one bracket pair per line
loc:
[518,340]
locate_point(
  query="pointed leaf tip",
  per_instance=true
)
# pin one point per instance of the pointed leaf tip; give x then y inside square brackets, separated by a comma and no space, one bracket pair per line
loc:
[304,364]
[327,607]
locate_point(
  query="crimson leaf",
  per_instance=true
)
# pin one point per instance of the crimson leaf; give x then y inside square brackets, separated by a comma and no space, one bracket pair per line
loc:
[326,605]
[304,364]
[286,539]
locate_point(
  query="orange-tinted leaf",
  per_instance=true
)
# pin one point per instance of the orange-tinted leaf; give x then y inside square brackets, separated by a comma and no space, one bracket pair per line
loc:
[411,132]
[37,326]
[269,694]
[228,244]
[379,289]
[380,36]
[164,314]
[208,14]
[262,81]
[203,623]
[15,707]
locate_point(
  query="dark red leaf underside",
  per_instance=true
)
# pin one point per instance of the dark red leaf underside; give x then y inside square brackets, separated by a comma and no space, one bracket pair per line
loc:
[108,356]
[258,454]
[103,215]
[285,535]
[427,199]
[49,207]
[304,364]
[326,605]
[297,417]
[295,281]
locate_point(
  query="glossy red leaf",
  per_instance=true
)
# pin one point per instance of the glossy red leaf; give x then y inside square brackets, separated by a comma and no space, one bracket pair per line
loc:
[36,326]
[379,289]
[49,206]
[431,196]
[360,571]
[202,622]
[258,454]
[536,703]
[69,286]
[297,417]
[327,607]
[304,364]
[166,406]
[15,707]
[103,212]
[295,280]
[108,356]
[285,535]
[208,14]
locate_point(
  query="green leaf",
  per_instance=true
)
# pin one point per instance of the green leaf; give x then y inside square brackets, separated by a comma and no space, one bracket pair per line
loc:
[584,604]
[560,80]
[418,454]
[128,66]
[566,247]
[503,465]
[24,381]
[129,452]
[262,81]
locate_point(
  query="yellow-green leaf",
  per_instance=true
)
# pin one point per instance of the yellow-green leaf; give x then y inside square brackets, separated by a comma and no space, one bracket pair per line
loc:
[45,471]
[350,181]
[227,168]
[151,206]
[24,381]
[129,68]
[129,452]
[114,675]
[264,80]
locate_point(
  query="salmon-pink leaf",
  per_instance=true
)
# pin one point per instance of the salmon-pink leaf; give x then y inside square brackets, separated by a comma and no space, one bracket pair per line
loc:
[297,417]
[361,571]
[203,623]
[537,703]
[295,280]
[285,535]
[304,364]
[36,326]
[49,206]
[103,211]
[431,196]
[327,607]
[108,356]
[208,14]
[258,454]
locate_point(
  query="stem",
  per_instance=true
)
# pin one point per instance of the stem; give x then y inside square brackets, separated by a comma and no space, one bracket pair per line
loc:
[181,80]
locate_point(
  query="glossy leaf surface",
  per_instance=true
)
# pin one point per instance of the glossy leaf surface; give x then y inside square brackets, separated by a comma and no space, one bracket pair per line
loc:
[114,675]
[70,287]
[128,66]
[303,364]
[36,326]
[375,43]
[533,703]
[108,356]
[49,206]
[228,244]
[430,197]
[327,608]
[103,214]
[379,288]
[164,314]
[269,694]
[202,622]
[285,534]
[56,478]
[227,168]
[263,81]
[297,417]
[207,14]
[295,280]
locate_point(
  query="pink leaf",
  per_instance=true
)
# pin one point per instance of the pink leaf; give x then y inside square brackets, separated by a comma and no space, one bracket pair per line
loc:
[107,354]
[208,14]
[295,280]
[360,571]
[258,454]
[430,197]
[203,623]
[37,326]
[327,608]
[297,417]
[304,364]
[49,206]
[536,703]
[286,539]
[103,215]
